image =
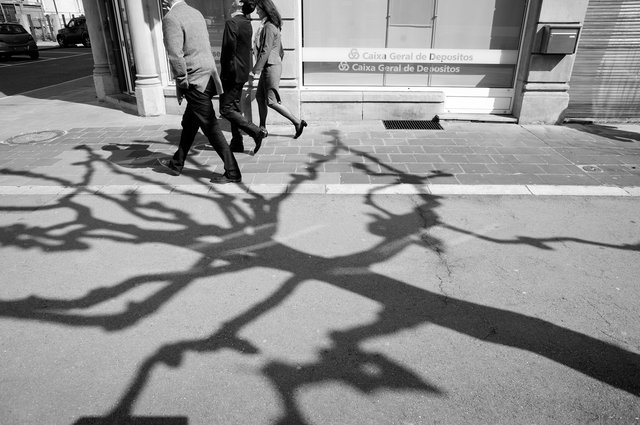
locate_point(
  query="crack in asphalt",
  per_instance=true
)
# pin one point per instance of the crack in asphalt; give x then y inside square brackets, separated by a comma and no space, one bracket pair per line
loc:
[434,245]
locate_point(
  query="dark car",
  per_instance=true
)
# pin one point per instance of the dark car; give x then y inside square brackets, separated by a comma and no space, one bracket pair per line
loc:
[74,32]
[15,40]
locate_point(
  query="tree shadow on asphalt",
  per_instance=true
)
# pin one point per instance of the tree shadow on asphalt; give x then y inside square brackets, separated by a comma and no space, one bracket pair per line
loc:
[249,242]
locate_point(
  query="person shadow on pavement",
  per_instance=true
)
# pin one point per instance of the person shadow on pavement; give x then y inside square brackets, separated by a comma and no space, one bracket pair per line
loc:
[133,155]
[607,131]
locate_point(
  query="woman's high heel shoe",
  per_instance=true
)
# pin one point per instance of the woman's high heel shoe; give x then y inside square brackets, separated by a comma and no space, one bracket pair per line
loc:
[300,129]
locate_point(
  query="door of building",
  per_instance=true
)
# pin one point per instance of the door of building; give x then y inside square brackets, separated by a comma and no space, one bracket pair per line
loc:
[605,83]
[121,45]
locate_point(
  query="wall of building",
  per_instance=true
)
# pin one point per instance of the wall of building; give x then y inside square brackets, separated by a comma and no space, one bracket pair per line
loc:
[9,12]
[541,89]
[542,92]
[29,14]
[392,61]
[43,18]
[605,83]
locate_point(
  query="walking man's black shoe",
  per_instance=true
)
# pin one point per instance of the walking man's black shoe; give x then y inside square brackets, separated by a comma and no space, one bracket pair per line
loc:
[236,146]
[258,139]
[167,165]
[224,179]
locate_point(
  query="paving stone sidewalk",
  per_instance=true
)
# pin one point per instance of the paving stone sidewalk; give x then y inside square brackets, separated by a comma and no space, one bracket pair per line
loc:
[464,157]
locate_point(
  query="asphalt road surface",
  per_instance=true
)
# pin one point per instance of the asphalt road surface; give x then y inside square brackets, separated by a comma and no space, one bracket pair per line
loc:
[294,309]
[21,74]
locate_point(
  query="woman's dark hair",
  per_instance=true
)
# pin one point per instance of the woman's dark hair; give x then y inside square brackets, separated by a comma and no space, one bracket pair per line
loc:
[271,11]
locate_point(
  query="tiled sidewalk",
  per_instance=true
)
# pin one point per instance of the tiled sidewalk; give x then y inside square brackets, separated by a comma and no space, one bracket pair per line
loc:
[465,157]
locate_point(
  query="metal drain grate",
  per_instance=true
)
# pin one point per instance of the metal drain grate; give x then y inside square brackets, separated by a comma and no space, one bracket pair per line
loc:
[412,125]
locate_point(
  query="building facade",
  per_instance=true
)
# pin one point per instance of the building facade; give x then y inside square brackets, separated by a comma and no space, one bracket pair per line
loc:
[59,12]
[378,59]
[43,18]
[29,13]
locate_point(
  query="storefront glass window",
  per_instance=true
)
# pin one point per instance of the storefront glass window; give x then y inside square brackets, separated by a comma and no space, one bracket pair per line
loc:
[122,38]
[408,43]
[8,13]
[215,13]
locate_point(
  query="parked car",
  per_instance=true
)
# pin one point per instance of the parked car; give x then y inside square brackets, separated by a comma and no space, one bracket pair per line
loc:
[15,40]
[74,32]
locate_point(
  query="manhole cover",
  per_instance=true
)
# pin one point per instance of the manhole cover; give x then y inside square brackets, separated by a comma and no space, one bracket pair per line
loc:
[35,137]
[591,168]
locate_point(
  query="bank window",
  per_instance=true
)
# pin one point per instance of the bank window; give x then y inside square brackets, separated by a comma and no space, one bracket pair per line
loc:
[215,13]
[408,43]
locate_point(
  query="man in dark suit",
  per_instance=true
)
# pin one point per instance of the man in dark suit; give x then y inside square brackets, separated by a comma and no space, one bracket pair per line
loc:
[235,62]
[186,40]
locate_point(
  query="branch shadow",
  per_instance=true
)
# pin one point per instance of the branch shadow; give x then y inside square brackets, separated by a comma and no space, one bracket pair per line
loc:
[137,420]
[249,242]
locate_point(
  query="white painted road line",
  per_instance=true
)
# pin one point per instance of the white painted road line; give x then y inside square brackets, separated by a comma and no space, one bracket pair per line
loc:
[328,189]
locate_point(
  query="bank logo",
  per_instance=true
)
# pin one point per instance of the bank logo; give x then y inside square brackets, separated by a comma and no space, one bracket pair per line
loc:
[354,54]
[344,66]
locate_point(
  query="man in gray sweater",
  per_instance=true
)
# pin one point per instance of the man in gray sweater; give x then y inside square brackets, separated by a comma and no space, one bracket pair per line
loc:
[186,40]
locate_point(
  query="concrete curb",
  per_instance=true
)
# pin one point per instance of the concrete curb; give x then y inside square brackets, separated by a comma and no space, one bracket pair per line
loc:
[327,189]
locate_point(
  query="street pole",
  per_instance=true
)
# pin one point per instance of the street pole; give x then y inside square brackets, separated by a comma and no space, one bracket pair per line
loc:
[21,16]
[21,10]
[55,21]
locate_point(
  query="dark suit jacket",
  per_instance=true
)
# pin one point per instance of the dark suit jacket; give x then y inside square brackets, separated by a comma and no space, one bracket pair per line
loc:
[235,58]
[186,39]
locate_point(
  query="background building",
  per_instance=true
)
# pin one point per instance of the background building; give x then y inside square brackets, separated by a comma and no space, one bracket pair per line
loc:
[537,61]
[43,18]
[29,13]
[59,12]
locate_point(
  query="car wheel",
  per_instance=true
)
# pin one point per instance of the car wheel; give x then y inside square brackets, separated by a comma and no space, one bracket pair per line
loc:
[34,55]
[85,40]
[61,41]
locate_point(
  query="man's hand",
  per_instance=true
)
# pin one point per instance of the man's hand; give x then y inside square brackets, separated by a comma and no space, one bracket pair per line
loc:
[182,82]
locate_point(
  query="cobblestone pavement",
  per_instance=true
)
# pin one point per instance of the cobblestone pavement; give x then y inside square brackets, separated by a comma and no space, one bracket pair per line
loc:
[334,157]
